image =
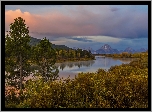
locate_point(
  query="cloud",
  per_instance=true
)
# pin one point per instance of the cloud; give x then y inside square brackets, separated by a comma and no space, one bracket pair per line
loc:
[97,42]
[104,39]
[83,39]
[136,43]
[83,21]
[114,9]
[86,39]
[10,15]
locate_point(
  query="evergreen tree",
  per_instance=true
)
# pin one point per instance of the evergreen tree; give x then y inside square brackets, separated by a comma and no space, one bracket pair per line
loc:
[45,57]
[17,53]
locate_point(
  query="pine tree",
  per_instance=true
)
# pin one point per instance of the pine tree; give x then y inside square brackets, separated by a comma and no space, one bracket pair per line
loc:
[45,57]
[17,53]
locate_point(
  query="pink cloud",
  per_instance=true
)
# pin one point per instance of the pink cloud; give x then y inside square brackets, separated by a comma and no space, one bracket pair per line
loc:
[54,23]
[81,22]
[59,23]
[11,15]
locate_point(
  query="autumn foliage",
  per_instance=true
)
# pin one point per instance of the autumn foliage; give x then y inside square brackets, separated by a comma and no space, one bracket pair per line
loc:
[124,86]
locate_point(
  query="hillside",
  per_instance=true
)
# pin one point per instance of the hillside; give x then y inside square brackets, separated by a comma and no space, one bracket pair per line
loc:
[35,41]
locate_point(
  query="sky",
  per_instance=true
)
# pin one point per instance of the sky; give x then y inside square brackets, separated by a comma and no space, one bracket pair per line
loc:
[85,26]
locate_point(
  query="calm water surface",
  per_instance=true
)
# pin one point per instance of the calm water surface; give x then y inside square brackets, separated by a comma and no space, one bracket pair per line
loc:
[73,68]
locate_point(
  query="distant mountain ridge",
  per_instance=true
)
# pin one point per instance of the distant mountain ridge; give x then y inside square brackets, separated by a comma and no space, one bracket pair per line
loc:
[105,49]
[129,50]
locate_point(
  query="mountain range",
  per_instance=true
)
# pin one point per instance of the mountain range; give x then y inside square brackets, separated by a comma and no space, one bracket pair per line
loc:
[105,49]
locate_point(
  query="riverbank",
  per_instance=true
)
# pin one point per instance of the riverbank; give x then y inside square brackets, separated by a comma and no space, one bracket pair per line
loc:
[74,60]
[125,55]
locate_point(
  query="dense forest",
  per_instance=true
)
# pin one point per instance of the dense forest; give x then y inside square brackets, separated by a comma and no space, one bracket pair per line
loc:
[123,86]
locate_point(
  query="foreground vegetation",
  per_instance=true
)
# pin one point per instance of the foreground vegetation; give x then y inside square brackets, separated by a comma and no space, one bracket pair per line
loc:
[124,86]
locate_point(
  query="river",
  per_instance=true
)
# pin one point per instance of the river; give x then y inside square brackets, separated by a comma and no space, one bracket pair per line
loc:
[73,68]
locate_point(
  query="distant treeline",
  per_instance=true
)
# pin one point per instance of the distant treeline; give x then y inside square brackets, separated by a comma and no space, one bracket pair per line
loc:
[126,55]
[73,54]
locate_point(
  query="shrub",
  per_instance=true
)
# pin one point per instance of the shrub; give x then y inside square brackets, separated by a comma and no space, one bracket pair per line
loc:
[123,86]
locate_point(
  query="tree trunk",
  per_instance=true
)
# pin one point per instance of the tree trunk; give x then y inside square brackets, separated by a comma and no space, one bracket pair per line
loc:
[21,73]
[44,69]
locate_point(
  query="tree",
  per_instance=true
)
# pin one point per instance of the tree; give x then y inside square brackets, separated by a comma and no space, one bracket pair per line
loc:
[45,57]
[76,52]
[17,53]
[62,53]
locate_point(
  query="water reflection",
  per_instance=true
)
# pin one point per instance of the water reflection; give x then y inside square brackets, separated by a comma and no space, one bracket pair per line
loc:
[73,68]
[125,60]
[78,64]
[107,62]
